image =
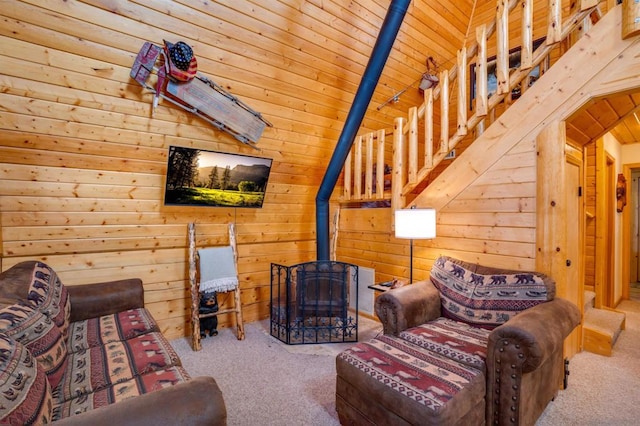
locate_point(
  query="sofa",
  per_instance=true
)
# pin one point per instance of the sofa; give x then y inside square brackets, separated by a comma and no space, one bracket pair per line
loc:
[472,345]
[91,354]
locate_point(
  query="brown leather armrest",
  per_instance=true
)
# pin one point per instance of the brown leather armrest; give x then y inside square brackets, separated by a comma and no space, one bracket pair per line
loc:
[408,306]
[524,358]
[533,334]
[196,402]
[95,300]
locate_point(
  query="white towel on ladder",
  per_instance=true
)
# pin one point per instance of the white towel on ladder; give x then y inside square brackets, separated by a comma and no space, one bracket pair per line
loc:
[217,269]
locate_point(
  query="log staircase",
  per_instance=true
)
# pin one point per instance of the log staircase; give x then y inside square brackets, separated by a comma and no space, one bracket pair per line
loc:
[412,163]
[396,172]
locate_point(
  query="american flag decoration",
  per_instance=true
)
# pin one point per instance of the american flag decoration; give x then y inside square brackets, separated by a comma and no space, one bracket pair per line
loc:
[182,63]
[178,81]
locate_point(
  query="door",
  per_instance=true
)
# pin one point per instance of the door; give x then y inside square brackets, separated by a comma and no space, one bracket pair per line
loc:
[574,290]
[630,232]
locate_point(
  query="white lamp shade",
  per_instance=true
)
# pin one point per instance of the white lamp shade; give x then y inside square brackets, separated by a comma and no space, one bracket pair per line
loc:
[415,223]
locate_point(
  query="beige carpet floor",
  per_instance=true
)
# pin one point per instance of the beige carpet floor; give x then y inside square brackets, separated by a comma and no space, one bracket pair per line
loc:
[265,382]
[603,390]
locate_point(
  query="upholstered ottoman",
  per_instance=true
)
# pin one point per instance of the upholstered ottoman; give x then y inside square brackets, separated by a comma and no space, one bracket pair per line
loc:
[433,374]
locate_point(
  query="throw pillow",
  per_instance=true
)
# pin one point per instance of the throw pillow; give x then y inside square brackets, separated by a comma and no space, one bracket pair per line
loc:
[40,335]
[25,394]
[47,293]
[485,297]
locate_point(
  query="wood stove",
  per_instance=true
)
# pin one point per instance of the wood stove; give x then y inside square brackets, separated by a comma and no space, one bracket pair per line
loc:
[310,302]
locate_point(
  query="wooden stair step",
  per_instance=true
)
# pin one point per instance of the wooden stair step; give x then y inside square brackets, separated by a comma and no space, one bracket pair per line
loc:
[601,329]
[589,300]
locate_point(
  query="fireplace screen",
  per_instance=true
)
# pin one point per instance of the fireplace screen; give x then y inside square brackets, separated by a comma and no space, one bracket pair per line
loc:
[310,302]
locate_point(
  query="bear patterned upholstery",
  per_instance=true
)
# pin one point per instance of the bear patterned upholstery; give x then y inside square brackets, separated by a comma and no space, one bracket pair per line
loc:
[25,394]
[40,335]
[102,366]
[485,300]
[116,327]
[120,391]
[47,294]
[452,339]
[430,379]
[52,368]
[472,345]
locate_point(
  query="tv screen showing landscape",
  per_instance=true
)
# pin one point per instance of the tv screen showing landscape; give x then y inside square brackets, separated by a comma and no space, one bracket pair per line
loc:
[197,177]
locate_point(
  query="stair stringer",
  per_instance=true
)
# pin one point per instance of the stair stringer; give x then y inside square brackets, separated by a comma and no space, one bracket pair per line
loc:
[600,63]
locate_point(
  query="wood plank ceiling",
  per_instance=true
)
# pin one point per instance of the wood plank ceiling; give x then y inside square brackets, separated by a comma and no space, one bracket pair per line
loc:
[619,114]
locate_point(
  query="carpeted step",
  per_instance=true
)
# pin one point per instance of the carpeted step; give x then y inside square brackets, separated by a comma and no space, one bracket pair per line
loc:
[601,330]
[589,300]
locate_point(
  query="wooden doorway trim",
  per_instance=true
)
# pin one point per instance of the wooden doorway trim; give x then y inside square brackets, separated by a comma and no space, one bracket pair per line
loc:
[551,217]
[603,216]
[551,210]
[626,232]
[575,179]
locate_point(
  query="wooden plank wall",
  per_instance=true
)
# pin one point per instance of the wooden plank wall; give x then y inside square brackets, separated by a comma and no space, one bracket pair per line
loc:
[82,164]
[523,121]
[366,237]
[491,221]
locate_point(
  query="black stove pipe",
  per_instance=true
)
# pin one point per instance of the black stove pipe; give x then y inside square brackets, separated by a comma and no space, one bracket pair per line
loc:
[379,55]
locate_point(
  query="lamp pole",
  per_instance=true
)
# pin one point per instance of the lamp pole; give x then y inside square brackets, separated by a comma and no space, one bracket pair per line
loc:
[411,261]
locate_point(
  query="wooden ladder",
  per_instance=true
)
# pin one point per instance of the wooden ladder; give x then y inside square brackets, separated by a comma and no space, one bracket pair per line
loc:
[195,290]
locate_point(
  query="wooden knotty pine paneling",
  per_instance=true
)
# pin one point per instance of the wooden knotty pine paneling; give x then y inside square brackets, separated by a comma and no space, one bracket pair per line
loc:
[487,221]
[590,222]
[491,222]
[82,163]
[521,124]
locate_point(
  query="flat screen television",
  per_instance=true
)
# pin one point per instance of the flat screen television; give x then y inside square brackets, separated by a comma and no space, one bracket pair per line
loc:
[197,177]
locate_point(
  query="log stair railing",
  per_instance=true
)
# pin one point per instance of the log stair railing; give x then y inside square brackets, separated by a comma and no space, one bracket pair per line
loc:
[408,168]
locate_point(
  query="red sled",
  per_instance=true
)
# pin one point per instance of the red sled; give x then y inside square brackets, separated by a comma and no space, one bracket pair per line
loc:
[200,96]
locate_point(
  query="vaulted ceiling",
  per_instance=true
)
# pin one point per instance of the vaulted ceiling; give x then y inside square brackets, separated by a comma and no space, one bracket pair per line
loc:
[427,36]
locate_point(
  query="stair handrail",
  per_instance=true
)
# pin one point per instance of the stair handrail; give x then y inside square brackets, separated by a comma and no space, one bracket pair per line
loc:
[470,53]
[401,186]
[398,199]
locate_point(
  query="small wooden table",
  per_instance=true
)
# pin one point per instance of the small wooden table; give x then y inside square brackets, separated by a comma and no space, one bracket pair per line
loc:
[378,289]
[382,287]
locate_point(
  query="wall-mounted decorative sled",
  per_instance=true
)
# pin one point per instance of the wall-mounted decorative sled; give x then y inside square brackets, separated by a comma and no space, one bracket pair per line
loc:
[179,82]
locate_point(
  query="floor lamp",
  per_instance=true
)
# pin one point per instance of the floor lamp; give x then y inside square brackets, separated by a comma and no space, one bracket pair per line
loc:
[415,224]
